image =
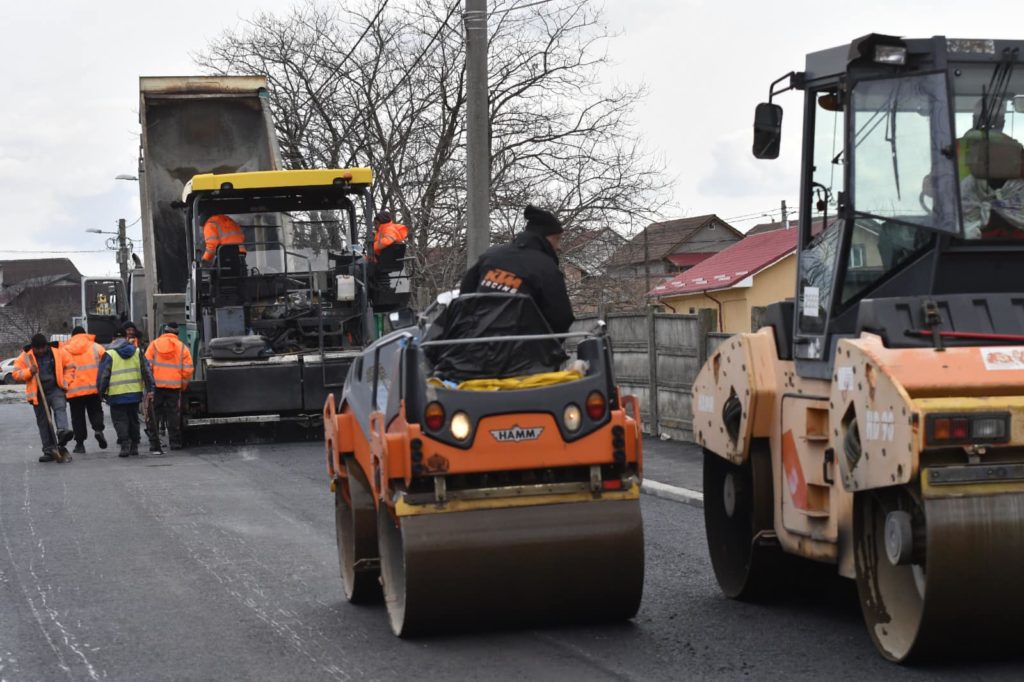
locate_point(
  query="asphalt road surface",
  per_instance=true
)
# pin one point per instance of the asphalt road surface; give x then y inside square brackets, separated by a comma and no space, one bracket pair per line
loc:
[219,563]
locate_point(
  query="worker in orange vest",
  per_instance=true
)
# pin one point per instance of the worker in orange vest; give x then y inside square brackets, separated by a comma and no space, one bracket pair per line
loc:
[53,370]
[388,240]
[83,397]
[171,364]
[221,230]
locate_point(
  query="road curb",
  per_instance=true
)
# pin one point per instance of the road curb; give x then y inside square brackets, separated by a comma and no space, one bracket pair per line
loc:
[674,493]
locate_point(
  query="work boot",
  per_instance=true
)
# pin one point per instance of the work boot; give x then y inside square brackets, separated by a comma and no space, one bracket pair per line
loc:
[79,449]
[133,450]
[65,437]
[102,440]
[125,451]
[47,456]
[155,449]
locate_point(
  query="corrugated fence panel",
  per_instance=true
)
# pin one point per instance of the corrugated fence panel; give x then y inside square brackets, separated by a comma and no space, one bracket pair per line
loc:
[680,343]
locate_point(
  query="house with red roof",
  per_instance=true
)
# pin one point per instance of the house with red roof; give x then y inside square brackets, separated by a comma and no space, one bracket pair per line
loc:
[755,271]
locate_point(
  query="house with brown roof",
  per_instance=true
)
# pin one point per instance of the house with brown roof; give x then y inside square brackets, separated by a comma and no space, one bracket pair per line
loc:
[754,272]
[36,295]
[672,246]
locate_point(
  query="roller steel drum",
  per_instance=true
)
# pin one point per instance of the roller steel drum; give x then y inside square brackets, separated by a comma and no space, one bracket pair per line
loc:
[581,561]
[962,595]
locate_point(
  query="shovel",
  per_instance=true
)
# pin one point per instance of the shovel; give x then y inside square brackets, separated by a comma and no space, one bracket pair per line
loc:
[62,452]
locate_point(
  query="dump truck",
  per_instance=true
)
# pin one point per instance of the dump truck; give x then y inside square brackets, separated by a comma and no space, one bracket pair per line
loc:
[272,323]
[104,307]
[477,485]
[191,125]
[876,421]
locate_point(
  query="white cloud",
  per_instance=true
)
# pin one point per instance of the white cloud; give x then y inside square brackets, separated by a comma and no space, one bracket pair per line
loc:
[69,120]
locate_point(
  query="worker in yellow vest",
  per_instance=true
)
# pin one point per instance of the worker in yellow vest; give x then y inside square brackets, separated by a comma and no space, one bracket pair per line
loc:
[124,379]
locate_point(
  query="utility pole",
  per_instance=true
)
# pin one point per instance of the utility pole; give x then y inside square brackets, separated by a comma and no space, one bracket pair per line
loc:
[122,251]
[647,266]
[478,142]
[785,216]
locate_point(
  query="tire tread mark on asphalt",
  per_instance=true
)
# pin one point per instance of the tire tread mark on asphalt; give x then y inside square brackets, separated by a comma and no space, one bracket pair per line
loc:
[238,582]
[37,586]
[66,635]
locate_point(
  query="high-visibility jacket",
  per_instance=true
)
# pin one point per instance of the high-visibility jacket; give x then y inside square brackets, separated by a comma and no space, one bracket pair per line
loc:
[125,375]
[388,234]
[221,230]
[170,361]
[86,354]
[971,138]
[25,365]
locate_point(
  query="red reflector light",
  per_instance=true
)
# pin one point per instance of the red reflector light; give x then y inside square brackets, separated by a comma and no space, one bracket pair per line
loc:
[595,405]
[434,416]
[960,428]
[612,484]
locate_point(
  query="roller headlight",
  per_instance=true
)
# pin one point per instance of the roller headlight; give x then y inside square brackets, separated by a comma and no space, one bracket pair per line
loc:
[572,417]
[460,427]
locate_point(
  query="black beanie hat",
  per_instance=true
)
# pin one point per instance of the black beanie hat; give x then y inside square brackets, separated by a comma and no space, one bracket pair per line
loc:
[539,221]
[78,330]
[39,341]
[129,325]
[382,217]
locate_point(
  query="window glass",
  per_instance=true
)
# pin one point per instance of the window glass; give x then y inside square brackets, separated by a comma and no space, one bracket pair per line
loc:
[817,258]
[902,158]
[989,120]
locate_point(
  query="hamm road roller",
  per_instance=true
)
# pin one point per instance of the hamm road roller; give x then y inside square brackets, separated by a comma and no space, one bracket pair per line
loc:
[876,422]
[483,478]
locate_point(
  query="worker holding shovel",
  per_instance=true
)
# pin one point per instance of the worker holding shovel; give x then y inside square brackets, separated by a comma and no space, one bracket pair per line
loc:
[47,372]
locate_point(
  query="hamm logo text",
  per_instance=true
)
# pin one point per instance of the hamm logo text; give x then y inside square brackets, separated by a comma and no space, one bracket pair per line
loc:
[517,434]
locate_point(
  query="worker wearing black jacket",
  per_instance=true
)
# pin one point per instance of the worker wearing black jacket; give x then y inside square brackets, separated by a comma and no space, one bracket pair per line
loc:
[527,265]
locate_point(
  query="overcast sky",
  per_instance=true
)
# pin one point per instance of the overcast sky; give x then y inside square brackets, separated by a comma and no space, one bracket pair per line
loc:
[69,109]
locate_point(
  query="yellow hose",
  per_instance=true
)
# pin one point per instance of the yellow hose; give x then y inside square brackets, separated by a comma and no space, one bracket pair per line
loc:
[516,383]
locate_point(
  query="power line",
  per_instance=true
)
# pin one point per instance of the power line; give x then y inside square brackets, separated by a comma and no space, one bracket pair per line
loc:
[50,252]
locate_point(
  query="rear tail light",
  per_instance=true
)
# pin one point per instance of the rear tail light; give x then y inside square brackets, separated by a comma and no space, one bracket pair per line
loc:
[595,405]
[965,428]
[434,416]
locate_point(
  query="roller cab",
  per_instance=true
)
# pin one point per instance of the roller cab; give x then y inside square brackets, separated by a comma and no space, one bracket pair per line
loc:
[508,497]
[874,422]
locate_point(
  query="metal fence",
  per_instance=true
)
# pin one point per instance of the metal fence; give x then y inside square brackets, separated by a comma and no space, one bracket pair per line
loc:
[657,357]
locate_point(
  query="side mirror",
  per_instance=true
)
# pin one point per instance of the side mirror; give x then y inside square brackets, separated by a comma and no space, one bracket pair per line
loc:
[767,130]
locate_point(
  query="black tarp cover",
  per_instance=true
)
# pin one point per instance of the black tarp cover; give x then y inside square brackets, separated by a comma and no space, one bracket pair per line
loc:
[488,315]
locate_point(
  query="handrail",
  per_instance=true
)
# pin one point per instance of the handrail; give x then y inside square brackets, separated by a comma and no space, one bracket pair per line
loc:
[523,337]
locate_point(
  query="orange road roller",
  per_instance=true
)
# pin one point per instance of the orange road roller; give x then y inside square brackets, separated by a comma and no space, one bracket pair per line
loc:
[875,421]
[478,484]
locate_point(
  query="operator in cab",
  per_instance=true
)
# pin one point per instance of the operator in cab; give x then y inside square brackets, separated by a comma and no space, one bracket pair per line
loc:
[527,265]
[221,230]
[388,240]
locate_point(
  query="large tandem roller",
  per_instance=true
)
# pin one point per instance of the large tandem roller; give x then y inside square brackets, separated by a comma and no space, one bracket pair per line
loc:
[486,507]
[876,422]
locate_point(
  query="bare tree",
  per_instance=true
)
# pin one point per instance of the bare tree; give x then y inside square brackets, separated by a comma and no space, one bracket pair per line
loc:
[384,86]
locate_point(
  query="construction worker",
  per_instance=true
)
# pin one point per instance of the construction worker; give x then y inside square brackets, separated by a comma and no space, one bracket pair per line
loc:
[388,240]
[124,379]
[171,364]
[83,394]
[527,265]
[132,334]
[986,128]
[52,370]
[221,230]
